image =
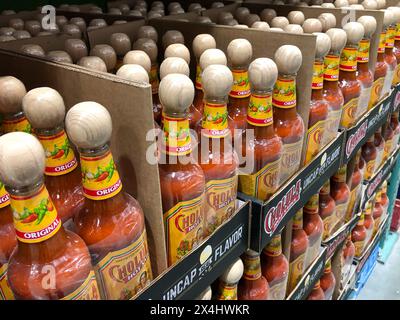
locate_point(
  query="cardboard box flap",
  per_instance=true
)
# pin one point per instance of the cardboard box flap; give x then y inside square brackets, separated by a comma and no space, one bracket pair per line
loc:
[87,16]
[48,43]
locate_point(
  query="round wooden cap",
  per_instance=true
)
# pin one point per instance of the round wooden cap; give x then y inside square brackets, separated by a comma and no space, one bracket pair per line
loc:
[22,160]
[73,9]
[206,294]
[121,43]
[212,56]
[312,25]
[341,3]
[44,107]
[157,4]
[95,10]
[352,2]
[370,4]
[133,72]
[267,15]
[263,73]
[293,28]
[33,27]
[288,59]
[222,16]
[148,46]
[178,50]
[241,13]
[241,26]
[201,43]
[277,29]
[98,23]
[230,22]
[323,45]
[239,52]
[6,38]
[261,25]
[296,17]
[76,48]
[173,5]
[381,4]
[93,63]
[388,18]
[217,81]
[357,6]
[174,65]
[195,6]
[6,31]
[396,13]
[203,19]
[354,31]
[7,12]
[279,22]
[61,20]
[338,39]
[328,5]
[16,23]
[106,53]
[369,24]
[217,4]
[279,2]
[72,30]
[171,37]
[138,57]
[233,273]
[176,93]
[79,22]
[114,11]
[135,13]
[328,21]
[21,34]
[148,32]
[153,15]
[33,50]
[12,91]
[59,56]
[250,19]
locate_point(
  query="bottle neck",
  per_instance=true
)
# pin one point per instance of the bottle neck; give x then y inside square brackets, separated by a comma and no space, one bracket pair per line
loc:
[241,86]
[274,248]
[177,141]
[227,291]
[363,55]
[381,47]
[326,189]
[298,220]
[16,122]
[340,176]
[390,38]
[260,114]
[311,206]
[348,63]
[328,267]
[331,65]
[4,196]
[215,118]
[252,266]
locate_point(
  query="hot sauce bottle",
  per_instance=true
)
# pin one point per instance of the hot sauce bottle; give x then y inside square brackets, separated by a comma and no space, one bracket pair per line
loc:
[182,181]
[377,212]
[332,92]
[358,236]
[298,251]
[368,221]
[355,188]
[266,147]
[239,53]
[200,44]
[346,259]
[340,192]
[327,210]
[45,110]
[369,155]
[319,107]
[275,268]
[362,166]
[217,158]
[390,59]
[314,228]
[396,48]
[12,91]
[380,148]
[288,124]
[394,123]
[317,293]
[228,281]
[384,198]
[364,74]
[49,262]
[388,136]
[253,285]
[111,222]
[328,281]
[348,83]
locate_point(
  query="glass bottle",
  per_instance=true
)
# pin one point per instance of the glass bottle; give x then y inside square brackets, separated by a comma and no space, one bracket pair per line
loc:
[317,293]
[396,49]
[328,281]
[394,123]
[381,69]
[368,221]
[368,152]
[327,210]
[355,188]
[264,150]
[358,236]
[347,256]
[377,212]
[389,57]
[340,192]
[111,222]
[388,135]
[385,198]
[380,147]
[228,281]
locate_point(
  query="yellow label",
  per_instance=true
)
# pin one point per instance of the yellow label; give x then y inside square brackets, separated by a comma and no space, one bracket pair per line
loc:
[340,175]
[312,204]
[318,75]
[390,35]
[5,290]
[291,156]
[396,75]
[382,42]
[348,59]
[298,220]
[4,196]
[220,202]
[369,170]
[387,149]
[359,246]
[184,228]
[124,273]
[332,125]
[60,158]
[227,292]
[349,113]
[215,120]
[397,35]
[241,85]
[363,51]
[177,139]
[87,291]
[100,178]
[35,217]
[376,92]
[377,222]
[198,78]
[252,267]
[277,289]
[19,125]
[313,139]
[274,247]
[340,211]
[331,63]
[352,202]
[153,78]
[262,184]
[296,271]
[259,111]
[329,224]
[284,94]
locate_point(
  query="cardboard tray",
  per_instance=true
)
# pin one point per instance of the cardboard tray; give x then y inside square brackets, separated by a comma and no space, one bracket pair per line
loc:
[350,285]
[202,266]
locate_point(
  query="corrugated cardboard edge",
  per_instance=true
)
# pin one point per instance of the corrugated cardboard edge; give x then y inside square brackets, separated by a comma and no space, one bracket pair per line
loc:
[48,43]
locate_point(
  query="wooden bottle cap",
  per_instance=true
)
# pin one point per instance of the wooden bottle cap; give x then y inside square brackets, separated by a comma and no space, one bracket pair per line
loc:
[233,273]
[251,19]
[33,50]
[352,2]
[6,38]
[267,15]
[158,4]
[240,52]
[138,57]
[217,4]
[396,13]
[174,65]
[33,27]
[88,125]
[59,56]
[241,26]
[7,12]
[7,31]
[72,30]
[44,107]
[263,73]
[178,50]
[73,9]
[206,294]
[107,54]
[148,46]
[16,23]
[357,6]
[114,11]
[79,22]
[148,32]
[278,2]
[61,21]
[261,25]
[277,29]
[381,4]
[241,13]
[124,8]
[121,43]
[21,34]
[22,160]
[222,16]
[133,72]
[288,59]
[217,81]
[279,22]
[95,10]
[294,28]
[328,21]
[312,25]
[388,18]
[93,63]
[328,5]
[369,24]
[177,11]
[194,6]
[76,48]
[230,22]
[338,39]
[135,13]
[201,43]
[173,5]
[296,17]
[341,3]
[323,45]
[354,31]
[212,56]
[12,91]
[100,23]
[171,37]
[176,93]
[370,4]
[203,19]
